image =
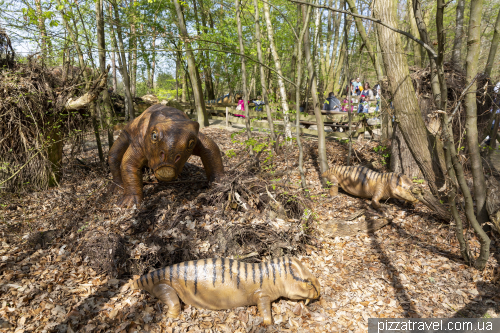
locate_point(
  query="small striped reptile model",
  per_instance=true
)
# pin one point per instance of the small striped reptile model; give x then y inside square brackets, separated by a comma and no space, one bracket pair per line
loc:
[217,284]
[366,183]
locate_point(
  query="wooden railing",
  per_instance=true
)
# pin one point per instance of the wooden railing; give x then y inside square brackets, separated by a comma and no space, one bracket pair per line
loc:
[335,120]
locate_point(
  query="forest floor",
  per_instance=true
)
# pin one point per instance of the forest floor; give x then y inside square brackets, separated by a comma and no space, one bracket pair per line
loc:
[67,254]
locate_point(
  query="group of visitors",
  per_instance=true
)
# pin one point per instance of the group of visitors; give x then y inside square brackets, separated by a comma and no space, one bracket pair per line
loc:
[359,93]
[258,102]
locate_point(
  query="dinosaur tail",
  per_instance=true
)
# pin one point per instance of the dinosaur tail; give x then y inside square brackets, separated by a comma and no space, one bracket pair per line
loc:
[150,280]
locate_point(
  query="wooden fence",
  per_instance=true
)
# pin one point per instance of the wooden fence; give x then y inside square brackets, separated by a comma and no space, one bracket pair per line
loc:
[335,120]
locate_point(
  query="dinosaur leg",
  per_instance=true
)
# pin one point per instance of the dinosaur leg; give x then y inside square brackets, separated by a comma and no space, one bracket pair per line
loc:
[169,297]
[131,172]
[209,153]
[264,306]
[334,186]
[379,194]
[115,157]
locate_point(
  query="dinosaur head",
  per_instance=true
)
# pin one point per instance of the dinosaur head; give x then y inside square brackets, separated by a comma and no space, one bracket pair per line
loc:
[168,145]
[300,282]
[402,188]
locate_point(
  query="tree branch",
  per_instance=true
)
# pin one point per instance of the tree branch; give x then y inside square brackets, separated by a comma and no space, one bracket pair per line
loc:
[427,47]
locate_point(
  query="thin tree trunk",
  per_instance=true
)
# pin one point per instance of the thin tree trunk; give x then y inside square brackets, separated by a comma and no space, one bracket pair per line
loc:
[184,86]
[263,75]
[81,60]
[323,162]
[422,28]
[243,69]
[193,70]
[418,50]
[366,41]
[45,41]
[332,74]
[133,53]
[456,54]
[405,102]
[471,63]
[113,67]
[494,46]
[277,65]
[122,61]
[297,93]
[107,114]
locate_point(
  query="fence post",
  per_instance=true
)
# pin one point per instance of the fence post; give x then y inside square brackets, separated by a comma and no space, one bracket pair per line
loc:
[227,116]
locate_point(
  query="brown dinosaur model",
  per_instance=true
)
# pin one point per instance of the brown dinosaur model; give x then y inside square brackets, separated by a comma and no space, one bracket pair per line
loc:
[161,138]
[366,183]
[217,284]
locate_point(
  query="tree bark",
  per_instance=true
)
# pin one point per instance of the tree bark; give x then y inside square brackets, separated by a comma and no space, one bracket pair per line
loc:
[107,114]
[263,75]
[456,54]
[277,65]
[471,63]
[193,70]
[323,162]
[405,102]
[243,69]
[402,160]
[494,47]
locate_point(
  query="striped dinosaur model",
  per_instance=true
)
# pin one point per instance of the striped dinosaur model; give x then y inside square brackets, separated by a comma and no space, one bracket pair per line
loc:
[217,284]
[366,183]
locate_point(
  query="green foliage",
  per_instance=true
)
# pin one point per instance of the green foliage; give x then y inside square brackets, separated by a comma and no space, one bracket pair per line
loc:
[384,154]
[418,181]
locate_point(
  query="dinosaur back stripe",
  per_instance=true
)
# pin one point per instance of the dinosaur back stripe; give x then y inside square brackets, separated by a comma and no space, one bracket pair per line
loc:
[192,273]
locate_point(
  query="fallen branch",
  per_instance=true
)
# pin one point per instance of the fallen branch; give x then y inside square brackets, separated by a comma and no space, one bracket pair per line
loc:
[91,95]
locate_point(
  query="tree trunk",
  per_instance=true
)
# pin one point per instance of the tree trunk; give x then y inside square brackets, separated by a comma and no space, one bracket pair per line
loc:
[304,28]
[333,64]
[199,101]
[243,69]
[456,54]
[418,50]
[184,86]
[45,41]
[262,74]
[494,47]
[108,113]
[323,162]
[422,28]
[406,106]
[113,66]
[471,63]
[207,69]
[133,53]
[402,160]
[366,41]
[277,65]
[122,61]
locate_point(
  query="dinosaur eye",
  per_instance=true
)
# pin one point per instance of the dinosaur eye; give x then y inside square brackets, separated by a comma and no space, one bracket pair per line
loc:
[154,136]
[191,144]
